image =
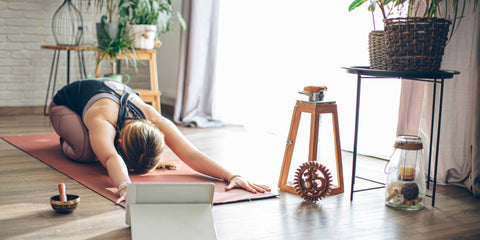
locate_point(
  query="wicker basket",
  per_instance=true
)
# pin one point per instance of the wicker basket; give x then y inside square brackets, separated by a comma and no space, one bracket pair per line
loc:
[415,44]
[377,50]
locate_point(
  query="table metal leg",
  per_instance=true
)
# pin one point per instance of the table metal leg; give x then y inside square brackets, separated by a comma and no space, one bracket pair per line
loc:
[81,65]
[438,143]
[355,140]
[55,78]
[432,127]
[68,67]
[56,56]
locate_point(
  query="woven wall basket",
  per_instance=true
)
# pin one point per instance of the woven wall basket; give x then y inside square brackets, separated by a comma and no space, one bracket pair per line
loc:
[377,50]
[415,44]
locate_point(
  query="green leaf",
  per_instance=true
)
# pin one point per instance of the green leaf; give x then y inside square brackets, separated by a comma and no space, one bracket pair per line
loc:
[355,4]
[371,7]
[181,21]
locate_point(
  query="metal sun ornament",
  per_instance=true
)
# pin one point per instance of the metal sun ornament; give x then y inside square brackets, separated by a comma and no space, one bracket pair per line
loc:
[313,181]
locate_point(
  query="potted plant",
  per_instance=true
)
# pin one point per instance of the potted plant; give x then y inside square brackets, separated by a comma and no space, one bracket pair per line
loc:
[149,19]
[111,47]
[416,42]
[376,38]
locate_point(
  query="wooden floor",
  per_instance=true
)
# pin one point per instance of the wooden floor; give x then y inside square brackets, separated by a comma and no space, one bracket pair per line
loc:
[27,184]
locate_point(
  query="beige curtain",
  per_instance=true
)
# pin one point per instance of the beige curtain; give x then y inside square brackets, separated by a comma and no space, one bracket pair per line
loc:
[459,151]
[196,83]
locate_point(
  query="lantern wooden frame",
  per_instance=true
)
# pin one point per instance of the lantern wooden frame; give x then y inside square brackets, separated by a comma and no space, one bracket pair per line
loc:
[315,109]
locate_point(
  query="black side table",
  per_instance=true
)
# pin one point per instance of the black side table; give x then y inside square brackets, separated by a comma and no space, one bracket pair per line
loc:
[433,77]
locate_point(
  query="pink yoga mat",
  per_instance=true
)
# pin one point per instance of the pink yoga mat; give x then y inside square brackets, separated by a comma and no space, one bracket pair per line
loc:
[46,148]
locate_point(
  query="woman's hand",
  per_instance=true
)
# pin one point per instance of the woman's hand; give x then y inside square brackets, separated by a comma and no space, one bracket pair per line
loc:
[238,182]
[123,196]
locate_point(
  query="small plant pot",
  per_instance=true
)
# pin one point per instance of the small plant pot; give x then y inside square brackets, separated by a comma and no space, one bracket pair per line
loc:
[377,50]
[144,36]
[67,206]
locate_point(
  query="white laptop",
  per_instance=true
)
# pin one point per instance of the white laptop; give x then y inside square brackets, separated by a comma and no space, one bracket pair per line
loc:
[170,210]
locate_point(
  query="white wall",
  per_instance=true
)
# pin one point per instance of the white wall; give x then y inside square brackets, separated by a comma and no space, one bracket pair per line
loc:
[168,56]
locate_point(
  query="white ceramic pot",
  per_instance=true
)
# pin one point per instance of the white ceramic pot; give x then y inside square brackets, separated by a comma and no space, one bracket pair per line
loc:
[144,36]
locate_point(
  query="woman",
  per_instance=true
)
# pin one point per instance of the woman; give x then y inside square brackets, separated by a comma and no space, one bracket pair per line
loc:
[103,120]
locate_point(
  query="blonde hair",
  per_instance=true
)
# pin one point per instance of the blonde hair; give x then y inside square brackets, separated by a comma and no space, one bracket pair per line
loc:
[141,145]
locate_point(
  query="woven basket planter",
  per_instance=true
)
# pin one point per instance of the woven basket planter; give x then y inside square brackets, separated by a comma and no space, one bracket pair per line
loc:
[415,44]
[377,50]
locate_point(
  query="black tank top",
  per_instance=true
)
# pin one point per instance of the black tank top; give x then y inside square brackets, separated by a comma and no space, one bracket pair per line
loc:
[77,94]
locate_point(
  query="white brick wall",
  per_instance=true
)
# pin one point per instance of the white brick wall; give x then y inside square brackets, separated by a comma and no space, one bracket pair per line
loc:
[25,67]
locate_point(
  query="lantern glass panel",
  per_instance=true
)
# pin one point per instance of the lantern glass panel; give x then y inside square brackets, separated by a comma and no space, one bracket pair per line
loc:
[325,146]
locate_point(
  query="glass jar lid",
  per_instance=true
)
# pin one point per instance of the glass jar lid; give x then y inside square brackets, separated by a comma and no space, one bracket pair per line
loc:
[408,142]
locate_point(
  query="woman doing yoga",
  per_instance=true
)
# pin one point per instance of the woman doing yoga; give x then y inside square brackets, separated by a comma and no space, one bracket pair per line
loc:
[103,120]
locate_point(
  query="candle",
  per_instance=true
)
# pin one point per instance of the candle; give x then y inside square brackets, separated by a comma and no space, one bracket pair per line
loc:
[61,190]
[407,173]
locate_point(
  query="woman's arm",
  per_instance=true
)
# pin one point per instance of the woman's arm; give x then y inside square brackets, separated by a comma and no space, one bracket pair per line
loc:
[197,160]
[102,136]
[188,153]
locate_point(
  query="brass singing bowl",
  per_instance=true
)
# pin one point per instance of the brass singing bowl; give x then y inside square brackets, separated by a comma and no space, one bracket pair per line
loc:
[67,206]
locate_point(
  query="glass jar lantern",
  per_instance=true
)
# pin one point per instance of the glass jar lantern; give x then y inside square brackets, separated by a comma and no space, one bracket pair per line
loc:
[406,184]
